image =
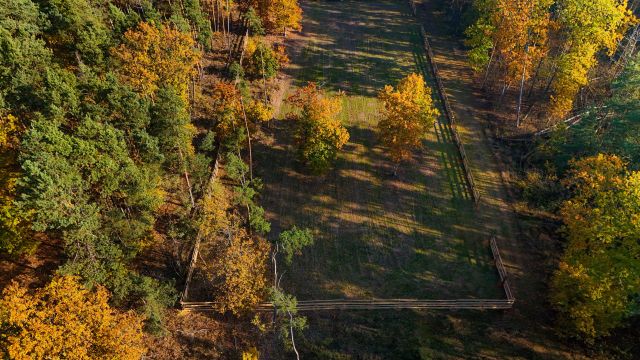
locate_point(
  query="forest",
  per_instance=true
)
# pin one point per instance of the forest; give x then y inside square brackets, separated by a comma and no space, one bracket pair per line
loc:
[319,179]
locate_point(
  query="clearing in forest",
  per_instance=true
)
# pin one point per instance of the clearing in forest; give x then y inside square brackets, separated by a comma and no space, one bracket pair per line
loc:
[417,235]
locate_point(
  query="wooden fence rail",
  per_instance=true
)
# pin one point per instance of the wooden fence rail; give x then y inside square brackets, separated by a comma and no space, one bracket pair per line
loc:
[448,112]
[239,51]
[501,270]
[389,304]
[393,304]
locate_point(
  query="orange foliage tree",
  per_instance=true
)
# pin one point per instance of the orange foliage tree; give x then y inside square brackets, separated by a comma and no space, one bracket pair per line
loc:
[226,108]
[64,320]
[153,56]
[283,15]
[407,116]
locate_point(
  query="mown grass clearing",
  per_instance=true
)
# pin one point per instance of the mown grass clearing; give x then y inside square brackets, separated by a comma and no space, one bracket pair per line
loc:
[415,235]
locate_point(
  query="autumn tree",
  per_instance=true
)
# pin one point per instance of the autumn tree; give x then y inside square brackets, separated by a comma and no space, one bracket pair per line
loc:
[613,128]
[599,273]
[510,40]
[154,56]
[226,109]
[275,15]
[15,234]
[258,112]
[65,320]
[238,269]
[262,60]
[283,15]
[513,42]
[408,114]
[587,27]
[319,132]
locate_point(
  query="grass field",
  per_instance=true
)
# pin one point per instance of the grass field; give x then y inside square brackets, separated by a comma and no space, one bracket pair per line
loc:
[417,235]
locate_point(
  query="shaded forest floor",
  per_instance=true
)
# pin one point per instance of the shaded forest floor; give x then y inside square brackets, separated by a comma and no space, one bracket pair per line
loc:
[416,235]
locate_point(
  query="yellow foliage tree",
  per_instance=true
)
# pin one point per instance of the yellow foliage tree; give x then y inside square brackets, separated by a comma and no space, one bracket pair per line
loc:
[64,320]
[599,272]
[251,354]
[15,233]
[283,15]
[214,210]
[408,114]
[9,130]
[276,15]
[152,56]
[520,36]
[259,112]
[320,133]
[589,26]
[239,270]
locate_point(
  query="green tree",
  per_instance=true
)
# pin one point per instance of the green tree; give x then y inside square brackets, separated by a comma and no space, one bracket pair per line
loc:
[77,31]
[613,128]
[289,321]
[293,241]
[262,61]
[171,125]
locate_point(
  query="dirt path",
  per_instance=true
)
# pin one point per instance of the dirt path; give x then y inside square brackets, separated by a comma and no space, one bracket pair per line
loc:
[523,258]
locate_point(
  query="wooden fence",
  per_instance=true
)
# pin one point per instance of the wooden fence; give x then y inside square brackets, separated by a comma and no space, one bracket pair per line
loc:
[238,50]
[448,112]
[388,304]
[501,270]
[393,304]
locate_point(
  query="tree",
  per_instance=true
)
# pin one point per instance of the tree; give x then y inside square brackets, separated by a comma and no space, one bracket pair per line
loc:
[262,60]
[319,132]
[259,112]
[287,306]
[171,125]
[151,57]
[254,22]
[276,15]
[245,191]
[588,27]
[613,128]
[407,116]
[599,273]
[77,31]
[239,271]
[226,109]
[283,15]
[65,320]
[293,241]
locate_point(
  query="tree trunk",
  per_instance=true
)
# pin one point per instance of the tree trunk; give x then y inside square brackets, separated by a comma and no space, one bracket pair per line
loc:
[293,342]
[524,70]
[186,176]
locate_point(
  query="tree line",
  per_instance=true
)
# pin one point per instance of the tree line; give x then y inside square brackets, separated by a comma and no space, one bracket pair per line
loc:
[576,59]
[107,141]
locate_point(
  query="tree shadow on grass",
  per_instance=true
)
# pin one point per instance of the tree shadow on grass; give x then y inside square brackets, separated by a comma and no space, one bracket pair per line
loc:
[376,235]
